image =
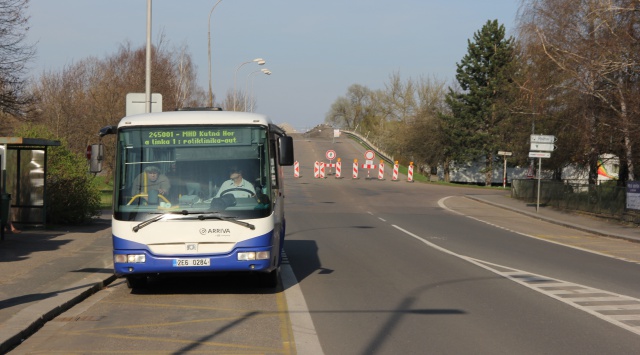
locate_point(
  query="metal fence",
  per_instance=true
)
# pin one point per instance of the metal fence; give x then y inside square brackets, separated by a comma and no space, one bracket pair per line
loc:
[606,200]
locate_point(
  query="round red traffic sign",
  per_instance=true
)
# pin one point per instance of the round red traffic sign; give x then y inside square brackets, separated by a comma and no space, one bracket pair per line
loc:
[369,155]
[331,154]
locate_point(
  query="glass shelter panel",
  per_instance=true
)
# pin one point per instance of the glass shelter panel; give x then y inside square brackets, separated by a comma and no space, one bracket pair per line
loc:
[25,182]
[187,169]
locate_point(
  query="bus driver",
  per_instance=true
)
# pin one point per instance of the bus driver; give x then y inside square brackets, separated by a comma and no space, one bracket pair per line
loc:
[236,185]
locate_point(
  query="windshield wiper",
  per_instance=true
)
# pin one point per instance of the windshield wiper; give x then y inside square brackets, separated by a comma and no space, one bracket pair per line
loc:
[202,217]
[218,216]
[157,218]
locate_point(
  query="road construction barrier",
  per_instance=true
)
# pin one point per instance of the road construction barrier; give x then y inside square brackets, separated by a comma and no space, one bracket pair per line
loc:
[296,169]
[319,171]
[394,177]
[381,170]
[330,166]
[368,167]
[355,169]
[410,173]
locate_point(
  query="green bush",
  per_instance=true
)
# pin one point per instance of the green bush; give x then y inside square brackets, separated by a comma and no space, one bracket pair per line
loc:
[72,195]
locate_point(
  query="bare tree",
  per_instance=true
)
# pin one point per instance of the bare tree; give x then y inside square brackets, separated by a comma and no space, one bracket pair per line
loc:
[186,78]
[424,138]
[399,101]
[593,44]
[14,55]
[76,102]
[353,110]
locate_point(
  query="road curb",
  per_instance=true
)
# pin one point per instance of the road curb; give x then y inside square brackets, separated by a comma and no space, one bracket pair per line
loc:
[556,221]
[26,322]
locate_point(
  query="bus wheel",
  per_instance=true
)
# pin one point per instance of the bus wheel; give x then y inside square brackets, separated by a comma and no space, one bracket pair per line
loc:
[269,280]
[136,281]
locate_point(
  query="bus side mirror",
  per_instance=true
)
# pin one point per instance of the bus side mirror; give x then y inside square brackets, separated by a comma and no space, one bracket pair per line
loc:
[107,130]
[285,146]
[95,155]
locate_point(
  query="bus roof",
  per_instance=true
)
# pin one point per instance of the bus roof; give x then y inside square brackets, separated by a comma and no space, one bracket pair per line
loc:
[168,118]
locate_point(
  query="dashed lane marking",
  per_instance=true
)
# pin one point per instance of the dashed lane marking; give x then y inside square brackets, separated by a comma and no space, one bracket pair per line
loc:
[620,310]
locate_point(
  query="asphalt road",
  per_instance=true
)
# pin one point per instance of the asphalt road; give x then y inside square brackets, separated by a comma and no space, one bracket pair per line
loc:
[384,268]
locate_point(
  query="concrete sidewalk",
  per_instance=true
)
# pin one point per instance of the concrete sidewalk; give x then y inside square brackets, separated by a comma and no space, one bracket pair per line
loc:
[576,220]
[45,272]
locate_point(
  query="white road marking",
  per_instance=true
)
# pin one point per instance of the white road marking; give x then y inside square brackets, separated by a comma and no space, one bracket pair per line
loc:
[443,206]
[614,308]
[304,332]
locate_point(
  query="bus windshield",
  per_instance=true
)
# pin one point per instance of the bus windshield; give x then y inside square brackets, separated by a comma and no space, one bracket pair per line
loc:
[193,170]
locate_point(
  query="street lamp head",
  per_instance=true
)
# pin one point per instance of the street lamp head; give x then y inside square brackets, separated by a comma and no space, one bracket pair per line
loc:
[266,71]
[261,62]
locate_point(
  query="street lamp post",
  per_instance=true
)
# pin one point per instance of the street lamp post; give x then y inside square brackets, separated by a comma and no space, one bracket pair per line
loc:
[209,38]
[264,71]
[260,61]
[267,72]
[147,90]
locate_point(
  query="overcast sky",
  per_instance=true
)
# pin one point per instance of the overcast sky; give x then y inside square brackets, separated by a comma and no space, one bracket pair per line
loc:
[315,49]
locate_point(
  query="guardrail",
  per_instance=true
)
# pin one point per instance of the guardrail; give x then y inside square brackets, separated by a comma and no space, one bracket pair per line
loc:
[379,152]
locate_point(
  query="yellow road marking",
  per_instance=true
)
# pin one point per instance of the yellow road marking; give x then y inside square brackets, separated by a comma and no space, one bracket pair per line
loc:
[286,332]
[180,341]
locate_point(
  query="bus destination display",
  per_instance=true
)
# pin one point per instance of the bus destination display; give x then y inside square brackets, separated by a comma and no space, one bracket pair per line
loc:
[197,136]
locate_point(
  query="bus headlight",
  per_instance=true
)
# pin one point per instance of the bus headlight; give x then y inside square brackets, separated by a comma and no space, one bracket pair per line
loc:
[129,258]
[254,255]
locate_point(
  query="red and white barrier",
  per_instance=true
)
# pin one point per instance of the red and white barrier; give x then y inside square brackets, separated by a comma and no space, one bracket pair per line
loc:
[330,166]
[394,177]
[381,170]
[410,173]
[355,169]
[296,169]
[319,170]
[368,165]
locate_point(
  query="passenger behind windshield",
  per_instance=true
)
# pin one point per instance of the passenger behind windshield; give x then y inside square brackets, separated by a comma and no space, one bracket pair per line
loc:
[236,185]
[151,182]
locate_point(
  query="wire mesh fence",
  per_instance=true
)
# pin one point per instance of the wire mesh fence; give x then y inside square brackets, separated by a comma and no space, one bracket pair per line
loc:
[606,199]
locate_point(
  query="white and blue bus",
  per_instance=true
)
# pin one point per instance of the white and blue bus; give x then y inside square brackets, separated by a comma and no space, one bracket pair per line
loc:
[184,222]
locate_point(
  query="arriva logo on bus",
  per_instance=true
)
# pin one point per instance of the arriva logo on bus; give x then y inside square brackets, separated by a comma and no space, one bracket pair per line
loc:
[220,231]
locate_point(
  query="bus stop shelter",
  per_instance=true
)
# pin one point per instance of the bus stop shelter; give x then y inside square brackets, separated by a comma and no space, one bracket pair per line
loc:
[23,182]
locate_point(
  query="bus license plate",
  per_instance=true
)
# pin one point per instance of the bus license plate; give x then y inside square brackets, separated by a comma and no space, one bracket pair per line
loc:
[191,262]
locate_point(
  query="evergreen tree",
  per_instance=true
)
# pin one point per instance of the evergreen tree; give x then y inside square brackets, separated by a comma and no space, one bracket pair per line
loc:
[478,125]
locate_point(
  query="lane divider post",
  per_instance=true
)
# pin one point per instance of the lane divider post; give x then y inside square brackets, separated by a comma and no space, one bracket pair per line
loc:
[395,172]
[381,170]
[296,169]
[316,169]
[355,169]
[410,173]
[338,169]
